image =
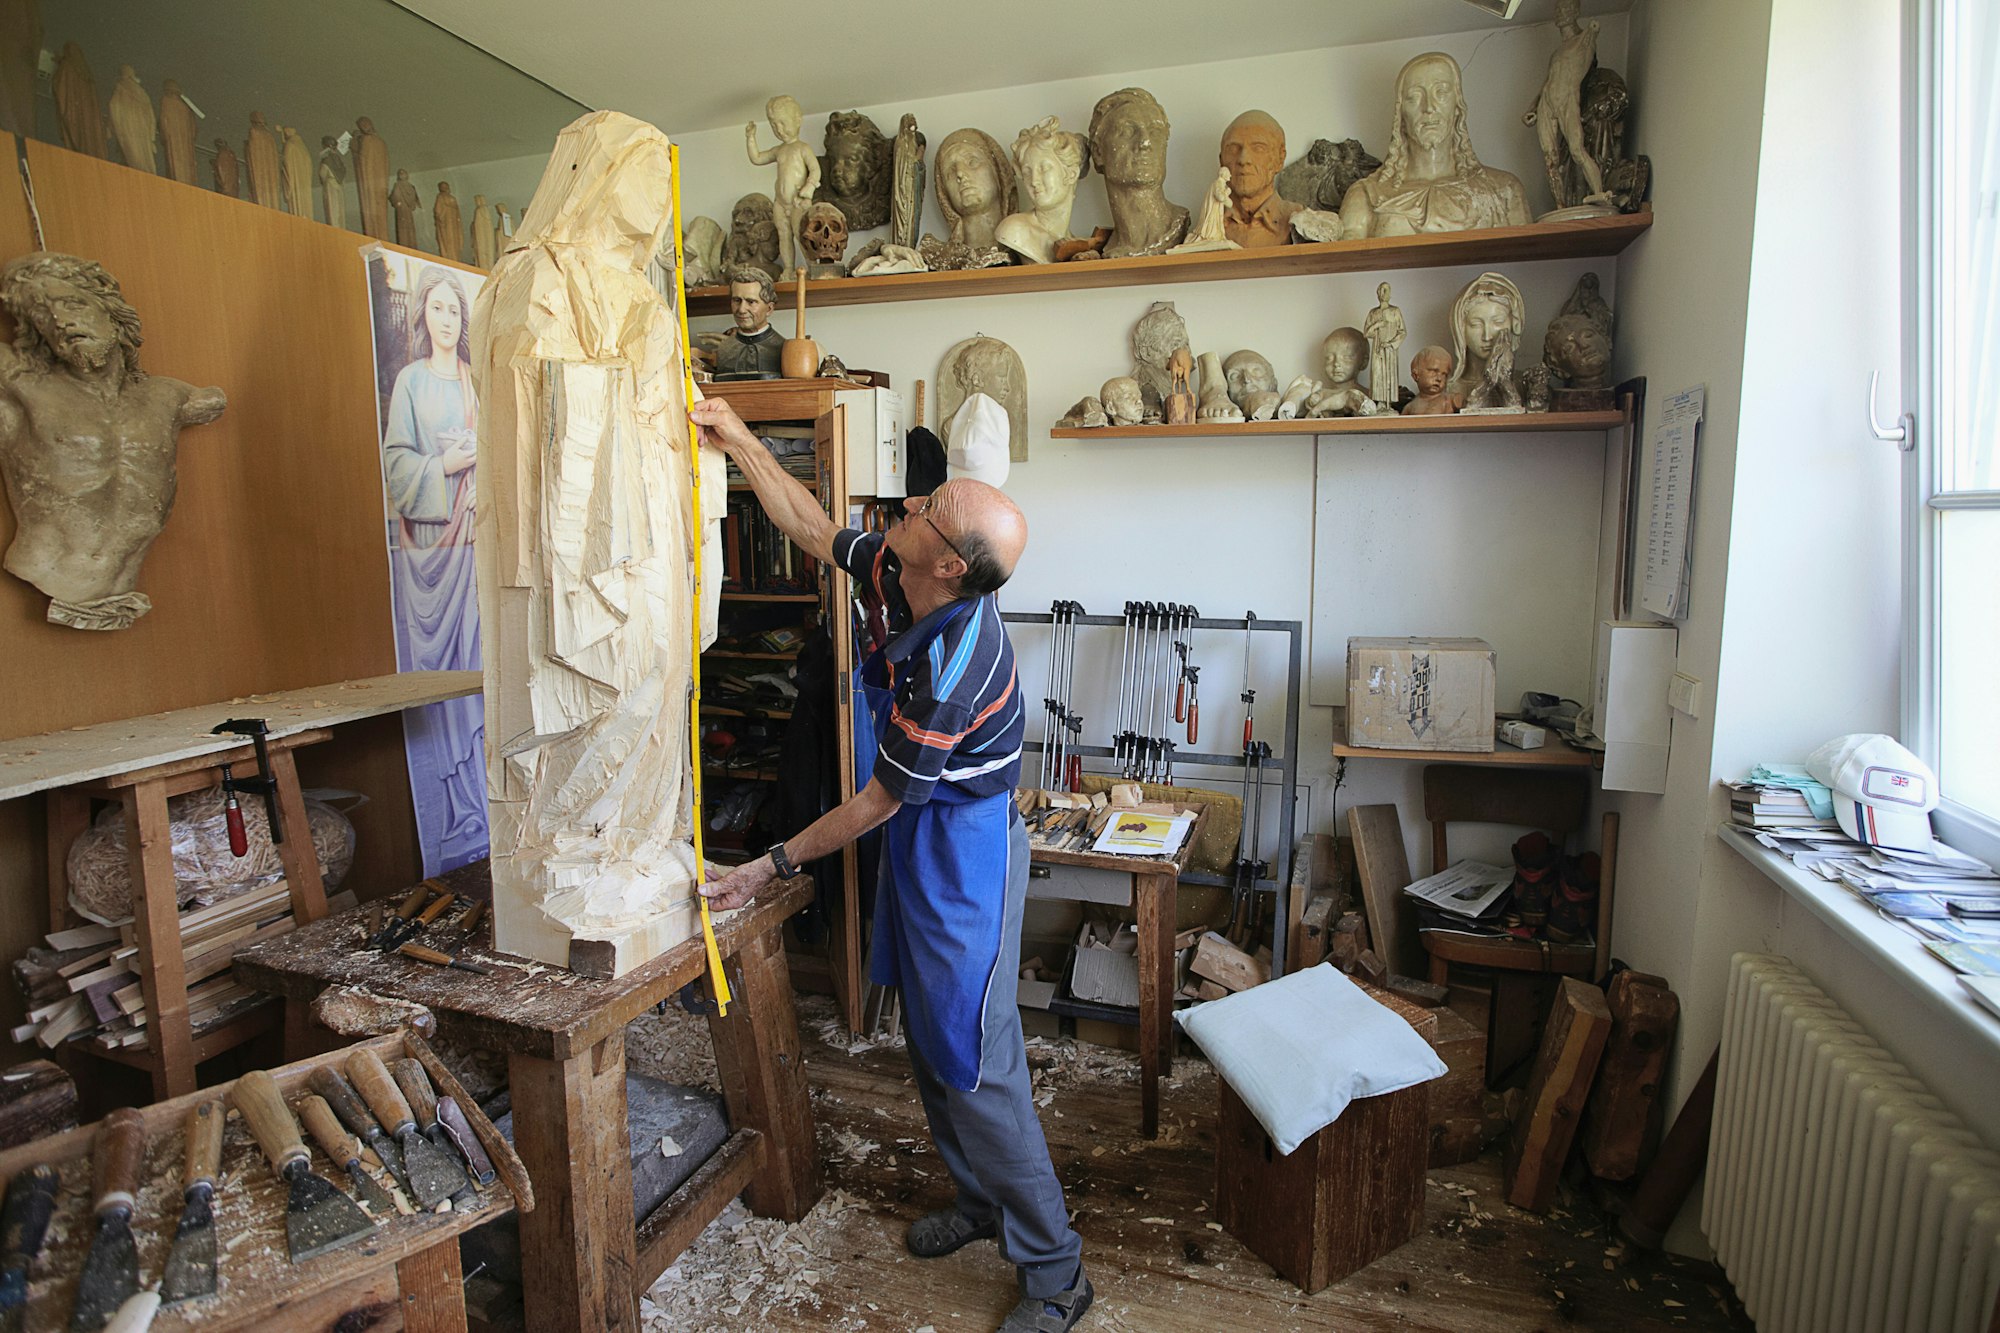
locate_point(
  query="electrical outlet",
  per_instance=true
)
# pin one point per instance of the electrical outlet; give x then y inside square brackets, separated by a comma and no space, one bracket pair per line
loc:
[1684,694]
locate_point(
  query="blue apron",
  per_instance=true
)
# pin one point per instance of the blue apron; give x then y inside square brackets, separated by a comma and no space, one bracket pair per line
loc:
[941,897]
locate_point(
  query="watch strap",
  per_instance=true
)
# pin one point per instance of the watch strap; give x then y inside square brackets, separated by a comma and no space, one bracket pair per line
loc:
[780,862]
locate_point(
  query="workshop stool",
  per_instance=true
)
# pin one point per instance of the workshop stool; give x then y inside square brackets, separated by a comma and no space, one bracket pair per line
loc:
[1344,1197]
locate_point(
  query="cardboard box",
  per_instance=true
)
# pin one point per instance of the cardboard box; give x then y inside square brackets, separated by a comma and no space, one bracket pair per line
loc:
[1629,712]
[1054,952]
[1106,967]
[875,463]
[1420,694]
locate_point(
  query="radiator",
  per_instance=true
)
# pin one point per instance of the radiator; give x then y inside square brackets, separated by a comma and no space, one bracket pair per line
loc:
[1841,1194]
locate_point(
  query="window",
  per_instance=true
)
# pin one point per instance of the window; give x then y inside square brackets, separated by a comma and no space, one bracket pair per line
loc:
[1952,653]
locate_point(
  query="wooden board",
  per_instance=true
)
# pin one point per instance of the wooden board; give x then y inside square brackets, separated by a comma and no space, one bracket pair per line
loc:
[1555,754]
[1572,1043]
[1588,238]
[1383,866]
[1621,1120]
[1455,424]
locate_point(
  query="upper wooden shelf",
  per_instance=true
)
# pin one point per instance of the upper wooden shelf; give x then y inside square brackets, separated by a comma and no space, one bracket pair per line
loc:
[1439,425]
[1586,239]
[1554,754]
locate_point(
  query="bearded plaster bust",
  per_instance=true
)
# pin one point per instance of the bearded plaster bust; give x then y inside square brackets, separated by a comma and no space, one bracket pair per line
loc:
[88,440]
[1253,385]
[1486,322]
[753,235]
[855,174]
[975,190]
[1430,179]
[1051,161]
[1128,146]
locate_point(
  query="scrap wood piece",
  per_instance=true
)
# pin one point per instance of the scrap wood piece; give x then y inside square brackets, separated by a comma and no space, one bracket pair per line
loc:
[1572,1044]
[1426,993]
[1619,1119]
[1226,965]
[1383,866]
[356,1011]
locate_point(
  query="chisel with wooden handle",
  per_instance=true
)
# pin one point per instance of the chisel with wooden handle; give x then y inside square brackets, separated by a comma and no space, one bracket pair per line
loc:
[24,1225]
[318,1217]
[344,1151]
[434,1176]
[339,1094]
[416,1089]
[111,1270]
[190,1271]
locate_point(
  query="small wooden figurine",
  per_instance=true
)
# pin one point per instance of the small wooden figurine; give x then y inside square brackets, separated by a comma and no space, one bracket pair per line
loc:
[404,200]
[450,224]
[332,176]
[227,169]
[177,132]
[77,108]
[371,178]
[485,233]
[260,152]
[133,122]
[1180,404]
[299,173]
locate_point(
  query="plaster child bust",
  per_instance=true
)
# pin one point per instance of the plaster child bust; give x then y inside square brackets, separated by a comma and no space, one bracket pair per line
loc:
[1253,385]
[1430,179]
[1051,161]
[798,173]
[1430,371]
[1343,354]
[1123,404]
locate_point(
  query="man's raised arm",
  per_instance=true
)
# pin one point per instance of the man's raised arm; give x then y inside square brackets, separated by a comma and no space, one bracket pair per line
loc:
[795,509]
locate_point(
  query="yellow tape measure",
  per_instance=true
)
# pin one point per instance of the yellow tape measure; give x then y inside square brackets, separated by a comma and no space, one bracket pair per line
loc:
[717,980]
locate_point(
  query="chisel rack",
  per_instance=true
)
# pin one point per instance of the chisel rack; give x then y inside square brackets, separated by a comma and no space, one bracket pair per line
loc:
[1282,766]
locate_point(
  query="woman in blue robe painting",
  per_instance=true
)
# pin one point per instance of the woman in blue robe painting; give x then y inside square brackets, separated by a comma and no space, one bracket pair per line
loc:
[428,450]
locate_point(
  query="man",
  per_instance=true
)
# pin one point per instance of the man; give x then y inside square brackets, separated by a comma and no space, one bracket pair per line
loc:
[949,723]
[1253,151]
[753,350]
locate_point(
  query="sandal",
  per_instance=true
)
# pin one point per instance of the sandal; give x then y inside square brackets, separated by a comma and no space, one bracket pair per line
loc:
[1052,1314]
[934,1235]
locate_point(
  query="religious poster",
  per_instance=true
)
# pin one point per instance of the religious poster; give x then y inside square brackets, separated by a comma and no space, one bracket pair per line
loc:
[422,316]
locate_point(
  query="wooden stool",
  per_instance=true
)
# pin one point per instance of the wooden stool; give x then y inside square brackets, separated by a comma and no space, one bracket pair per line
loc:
[1346,1196]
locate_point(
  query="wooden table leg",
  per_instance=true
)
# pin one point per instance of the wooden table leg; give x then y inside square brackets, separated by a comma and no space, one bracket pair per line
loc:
[763,1078]
[578,1256]
[156,923]
[301,862]
[433,1290]
[1155,909]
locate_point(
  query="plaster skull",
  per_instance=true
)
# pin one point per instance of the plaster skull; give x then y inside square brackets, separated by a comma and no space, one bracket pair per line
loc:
[824,233]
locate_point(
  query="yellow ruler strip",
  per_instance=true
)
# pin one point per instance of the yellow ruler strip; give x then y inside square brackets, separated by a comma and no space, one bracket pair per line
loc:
[717,980]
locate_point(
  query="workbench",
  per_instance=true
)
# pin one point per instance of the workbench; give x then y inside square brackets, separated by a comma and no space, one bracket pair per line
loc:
[410,1263]
[563,1034]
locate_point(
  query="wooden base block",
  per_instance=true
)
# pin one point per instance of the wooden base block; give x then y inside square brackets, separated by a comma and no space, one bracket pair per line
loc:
[1572,1044]
[1621,1121]
[525,929]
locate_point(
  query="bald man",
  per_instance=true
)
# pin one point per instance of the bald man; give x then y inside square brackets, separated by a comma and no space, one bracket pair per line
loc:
[1253,151]
[948,722]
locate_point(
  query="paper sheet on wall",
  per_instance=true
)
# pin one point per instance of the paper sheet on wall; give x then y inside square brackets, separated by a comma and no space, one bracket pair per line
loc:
[1669,551]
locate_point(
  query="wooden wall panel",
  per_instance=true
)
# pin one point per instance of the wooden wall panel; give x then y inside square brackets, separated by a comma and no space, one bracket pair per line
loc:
[272,572]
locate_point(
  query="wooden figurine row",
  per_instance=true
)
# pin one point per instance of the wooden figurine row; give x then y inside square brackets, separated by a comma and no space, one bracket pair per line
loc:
[280,169]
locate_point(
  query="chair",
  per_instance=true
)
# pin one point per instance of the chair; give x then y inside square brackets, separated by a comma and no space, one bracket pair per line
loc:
[1524,971]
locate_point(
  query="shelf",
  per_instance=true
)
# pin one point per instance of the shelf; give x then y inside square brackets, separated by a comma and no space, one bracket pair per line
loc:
[768,714]
[770,597]
[1454,424]
[1555,754]
[751,657]
[1589,238]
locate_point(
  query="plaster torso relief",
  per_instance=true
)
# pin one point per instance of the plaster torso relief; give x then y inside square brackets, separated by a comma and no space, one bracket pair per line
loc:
[1051,161]
[986,365]
[88,441]
[1430,179]
[1128,145]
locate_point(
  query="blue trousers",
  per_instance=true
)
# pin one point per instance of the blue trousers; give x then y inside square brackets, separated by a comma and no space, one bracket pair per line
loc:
[990,1138]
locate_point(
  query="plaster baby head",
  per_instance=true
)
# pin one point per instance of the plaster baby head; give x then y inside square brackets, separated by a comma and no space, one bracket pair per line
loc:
[751,298]
[1253,385]
[975,186]
[753,234]
[1342,356]
[855,177]
[785,117]
[1430,371]
[1124,405]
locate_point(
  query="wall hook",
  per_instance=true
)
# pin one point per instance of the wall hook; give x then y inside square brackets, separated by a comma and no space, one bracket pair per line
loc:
[1902,434]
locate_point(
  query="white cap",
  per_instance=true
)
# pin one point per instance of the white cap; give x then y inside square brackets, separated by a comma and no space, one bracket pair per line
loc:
[979,434]
[1882,794]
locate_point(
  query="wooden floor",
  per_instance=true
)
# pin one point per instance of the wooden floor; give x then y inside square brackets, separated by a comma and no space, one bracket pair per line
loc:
[1159,1263]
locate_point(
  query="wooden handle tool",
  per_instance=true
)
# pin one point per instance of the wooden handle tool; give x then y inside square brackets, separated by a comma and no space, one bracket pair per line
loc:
[115,1160]
[341,1148]
[342,1099]
[371,1079]
[270,1121]
[416,1089]
[204,1144]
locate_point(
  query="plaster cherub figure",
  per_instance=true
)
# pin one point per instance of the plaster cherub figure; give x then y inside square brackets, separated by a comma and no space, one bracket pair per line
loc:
[1051,160]
[798,173]
[1557,115]
[1343,354]
[1430,371]
[1123,403]
[1430,179]
[1253,385]
[88,440]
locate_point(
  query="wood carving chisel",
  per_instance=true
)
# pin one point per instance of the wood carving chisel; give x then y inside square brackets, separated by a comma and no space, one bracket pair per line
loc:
[318,1217]
[405,911]
[24,1224]
[439,958]
[423,1099]
[434,1176]
[409,930]
[190,1271]
[344,1151]
[111,1269]
[353,1112]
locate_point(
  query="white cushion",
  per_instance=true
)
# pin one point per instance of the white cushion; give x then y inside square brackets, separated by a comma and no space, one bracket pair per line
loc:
[1299,1049]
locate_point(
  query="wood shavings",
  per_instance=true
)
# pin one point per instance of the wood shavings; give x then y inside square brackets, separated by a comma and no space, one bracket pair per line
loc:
[669,1148]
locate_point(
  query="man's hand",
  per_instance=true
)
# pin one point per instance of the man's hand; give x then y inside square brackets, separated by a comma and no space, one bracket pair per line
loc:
[740,885]
[721,427]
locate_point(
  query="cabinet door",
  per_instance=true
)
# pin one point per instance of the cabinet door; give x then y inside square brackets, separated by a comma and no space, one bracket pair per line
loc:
[830,447]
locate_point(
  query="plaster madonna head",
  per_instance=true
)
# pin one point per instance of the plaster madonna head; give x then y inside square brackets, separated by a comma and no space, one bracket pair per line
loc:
[69,310]
[975,186]
[1489,310]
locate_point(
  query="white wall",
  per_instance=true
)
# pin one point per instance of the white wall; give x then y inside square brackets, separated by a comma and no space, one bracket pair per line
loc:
[1224,524]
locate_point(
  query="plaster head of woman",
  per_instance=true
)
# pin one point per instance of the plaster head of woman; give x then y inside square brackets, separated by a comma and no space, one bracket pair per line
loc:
[440,320]
[1487,313]
[975,186]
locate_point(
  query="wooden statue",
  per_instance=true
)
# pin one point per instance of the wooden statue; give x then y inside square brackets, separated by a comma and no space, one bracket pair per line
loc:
[133,122]
[450,224]
[77,109]
[404,200]
[260,152]
[177,132]
[1180,402]
[503,225]
[371,178]
[88,440]
[485,233]
[227,169]
[586,607]
[332,176]
[299,173]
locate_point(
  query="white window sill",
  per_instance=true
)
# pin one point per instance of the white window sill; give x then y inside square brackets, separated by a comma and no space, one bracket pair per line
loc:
[1896,950]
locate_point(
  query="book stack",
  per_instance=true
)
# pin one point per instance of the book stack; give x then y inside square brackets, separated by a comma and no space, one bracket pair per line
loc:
[1761,806]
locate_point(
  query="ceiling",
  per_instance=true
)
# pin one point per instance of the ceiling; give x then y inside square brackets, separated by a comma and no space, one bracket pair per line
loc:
[686,68]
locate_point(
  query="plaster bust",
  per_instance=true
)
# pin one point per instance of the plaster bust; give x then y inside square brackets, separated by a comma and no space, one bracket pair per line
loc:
[1343,354]
[1253,153]
[1430,371]
[1578,351]
[1159,333]
[1430,179]
[1486,322]
[1253,385]
[855,174]
[1123,404]
[753,348]
[702,253]
[1128,146]
[88,440]
[753,235]
[1051,161]
[986,365]
[975,187]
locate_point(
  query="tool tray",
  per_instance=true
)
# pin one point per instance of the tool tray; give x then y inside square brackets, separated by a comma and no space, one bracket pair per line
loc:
[255,1279]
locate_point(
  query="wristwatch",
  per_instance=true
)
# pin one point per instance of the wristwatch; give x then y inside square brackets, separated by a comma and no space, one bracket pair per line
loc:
[780,862]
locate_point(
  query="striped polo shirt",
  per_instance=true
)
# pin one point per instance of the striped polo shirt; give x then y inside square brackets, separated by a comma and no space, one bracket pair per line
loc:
[956,713]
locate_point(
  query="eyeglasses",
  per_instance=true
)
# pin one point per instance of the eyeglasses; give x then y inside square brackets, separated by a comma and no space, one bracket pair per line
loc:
[925,514]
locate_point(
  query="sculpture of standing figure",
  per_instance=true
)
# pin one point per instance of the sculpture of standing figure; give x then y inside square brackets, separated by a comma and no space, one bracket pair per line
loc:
[583,506]
[133,122]
[332,176]
[300,172]
[1487,315]
[1207,232]
[1430,180]
[404,200]
[1051,161]
[1557,116]
[227,169]
[485,233]
[906,194]
[449,222]
[260,154]
[798,173]
[371,178]
[88,440]
[78,112]
[1128,145]
[177,132]
[1385,333]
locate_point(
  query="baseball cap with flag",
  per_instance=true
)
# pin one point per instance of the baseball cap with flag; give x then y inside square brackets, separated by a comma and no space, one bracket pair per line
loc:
[1882,794]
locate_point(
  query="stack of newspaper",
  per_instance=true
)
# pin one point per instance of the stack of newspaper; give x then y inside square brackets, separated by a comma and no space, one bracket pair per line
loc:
[1467,895]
